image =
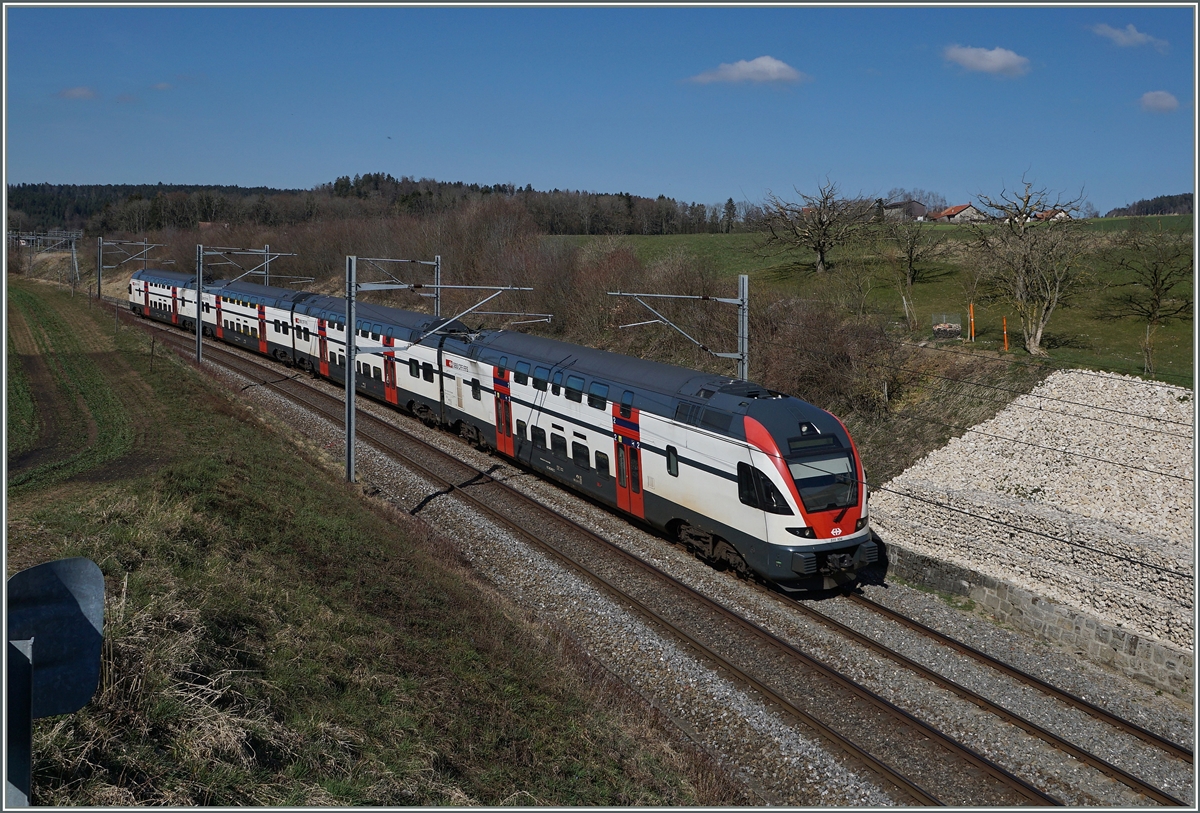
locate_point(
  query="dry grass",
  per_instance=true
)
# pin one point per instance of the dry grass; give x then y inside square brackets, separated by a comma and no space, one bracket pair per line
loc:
[274,637]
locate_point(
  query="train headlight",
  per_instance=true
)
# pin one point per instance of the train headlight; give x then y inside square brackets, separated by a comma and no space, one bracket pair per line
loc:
[807,533]
[862,523]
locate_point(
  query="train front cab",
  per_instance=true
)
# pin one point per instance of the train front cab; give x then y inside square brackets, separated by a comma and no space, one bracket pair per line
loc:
[821,473]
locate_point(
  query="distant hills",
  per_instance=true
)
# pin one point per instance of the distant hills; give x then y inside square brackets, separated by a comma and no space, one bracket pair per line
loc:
[103,208]
[1162,205]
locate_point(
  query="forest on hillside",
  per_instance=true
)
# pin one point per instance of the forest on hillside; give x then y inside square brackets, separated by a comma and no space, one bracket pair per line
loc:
[103,209]
[1161,205]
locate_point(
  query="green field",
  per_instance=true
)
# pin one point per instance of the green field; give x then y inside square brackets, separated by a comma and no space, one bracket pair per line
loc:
[1077,336]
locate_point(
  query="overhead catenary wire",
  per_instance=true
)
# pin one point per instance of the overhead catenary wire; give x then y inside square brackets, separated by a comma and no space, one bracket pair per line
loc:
[1124,425]
[1021,529]
[1039,446]
[1060,366]
[1007,389]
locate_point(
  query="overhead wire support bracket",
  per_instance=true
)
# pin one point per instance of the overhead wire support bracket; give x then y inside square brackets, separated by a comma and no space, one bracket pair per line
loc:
[743,303]
[142,255]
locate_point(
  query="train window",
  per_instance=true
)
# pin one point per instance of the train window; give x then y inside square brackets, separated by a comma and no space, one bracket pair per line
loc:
[621,466]
[541,376]
[756,490]
[602,464]
[414,368]
[672,461]
[286,329]
[503,365]
[558,444]
[307,335]
[376,373]
[254,332]
[521,429]
[716,420]
[746,491]
[227,324]
[574,388]
[635,476]
[475,393]
[688,413]
[580,454]
[538,435]
[598,395]
[557,382]
[521,374]
[427,371]
[627,404]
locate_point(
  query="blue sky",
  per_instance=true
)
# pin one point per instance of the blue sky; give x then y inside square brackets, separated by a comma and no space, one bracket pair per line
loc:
[697,103]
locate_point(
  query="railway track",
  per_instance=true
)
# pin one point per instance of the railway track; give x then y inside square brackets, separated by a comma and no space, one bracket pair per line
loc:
[930,768]
[1169,748]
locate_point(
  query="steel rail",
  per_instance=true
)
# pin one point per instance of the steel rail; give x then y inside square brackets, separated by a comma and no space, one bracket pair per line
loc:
[480,478]
[1149,737]
[998,710]
[1016,783]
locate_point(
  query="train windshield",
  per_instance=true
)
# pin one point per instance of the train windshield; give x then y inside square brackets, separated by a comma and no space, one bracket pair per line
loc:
[825,480]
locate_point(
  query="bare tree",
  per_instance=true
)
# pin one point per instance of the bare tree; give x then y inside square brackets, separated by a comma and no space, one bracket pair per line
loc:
[1160,266]
[820,223]
[1031,247]
[915,241]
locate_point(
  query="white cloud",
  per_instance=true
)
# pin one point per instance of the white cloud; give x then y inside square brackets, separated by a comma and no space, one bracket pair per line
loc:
[162,86]
[1129,37]
[762,69]
[997,60]
[1159,101]
[77,93]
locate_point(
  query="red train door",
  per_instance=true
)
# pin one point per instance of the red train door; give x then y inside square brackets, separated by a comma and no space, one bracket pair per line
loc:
[146,294]
[174,305]
[504,435]
[323,351]
[389,371]
[627,447]
[262,335]
[220,326]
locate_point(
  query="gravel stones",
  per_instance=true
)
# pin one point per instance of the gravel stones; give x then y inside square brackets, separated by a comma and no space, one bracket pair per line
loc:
[1081,491]
[779,762]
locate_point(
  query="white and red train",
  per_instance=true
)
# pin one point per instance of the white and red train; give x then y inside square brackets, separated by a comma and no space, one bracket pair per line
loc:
[745,477]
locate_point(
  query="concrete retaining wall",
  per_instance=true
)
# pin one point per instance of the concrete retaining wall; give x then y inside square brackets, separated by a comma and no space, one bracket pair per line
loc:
[1155,663]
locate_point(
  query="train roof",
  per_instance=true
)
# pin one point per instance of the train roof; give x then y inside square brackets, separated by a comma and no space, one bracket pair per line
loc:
[659,387]
[180,279]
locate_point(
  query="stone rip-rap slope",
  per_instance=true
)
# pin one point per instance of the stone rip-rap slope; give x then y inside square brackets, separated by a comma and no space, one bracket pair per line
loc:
[1108,528]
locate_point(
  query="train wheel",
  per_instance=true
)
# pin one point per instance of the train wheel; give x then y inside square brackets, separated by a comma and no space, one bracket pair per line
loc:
[728,556]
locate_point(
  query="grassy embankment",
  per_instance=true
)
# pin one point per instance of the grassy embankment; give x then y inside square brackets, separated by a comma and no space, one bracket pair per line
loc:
[273,637]
[1077,336]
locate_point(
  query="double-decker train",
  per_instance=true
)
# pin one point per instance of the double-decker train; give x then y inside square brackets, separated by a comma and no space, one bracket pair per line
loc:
[750,479]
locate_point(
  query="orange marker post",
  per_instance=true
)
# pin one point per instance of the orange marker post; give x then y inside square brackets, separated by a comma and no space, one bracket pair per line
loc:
[1005,334]
[971,307]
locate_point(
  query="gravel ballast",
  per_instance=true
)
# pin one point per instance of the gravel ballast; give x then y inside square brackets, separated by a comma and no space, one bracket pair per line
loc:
[1081,492]
[780,763]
